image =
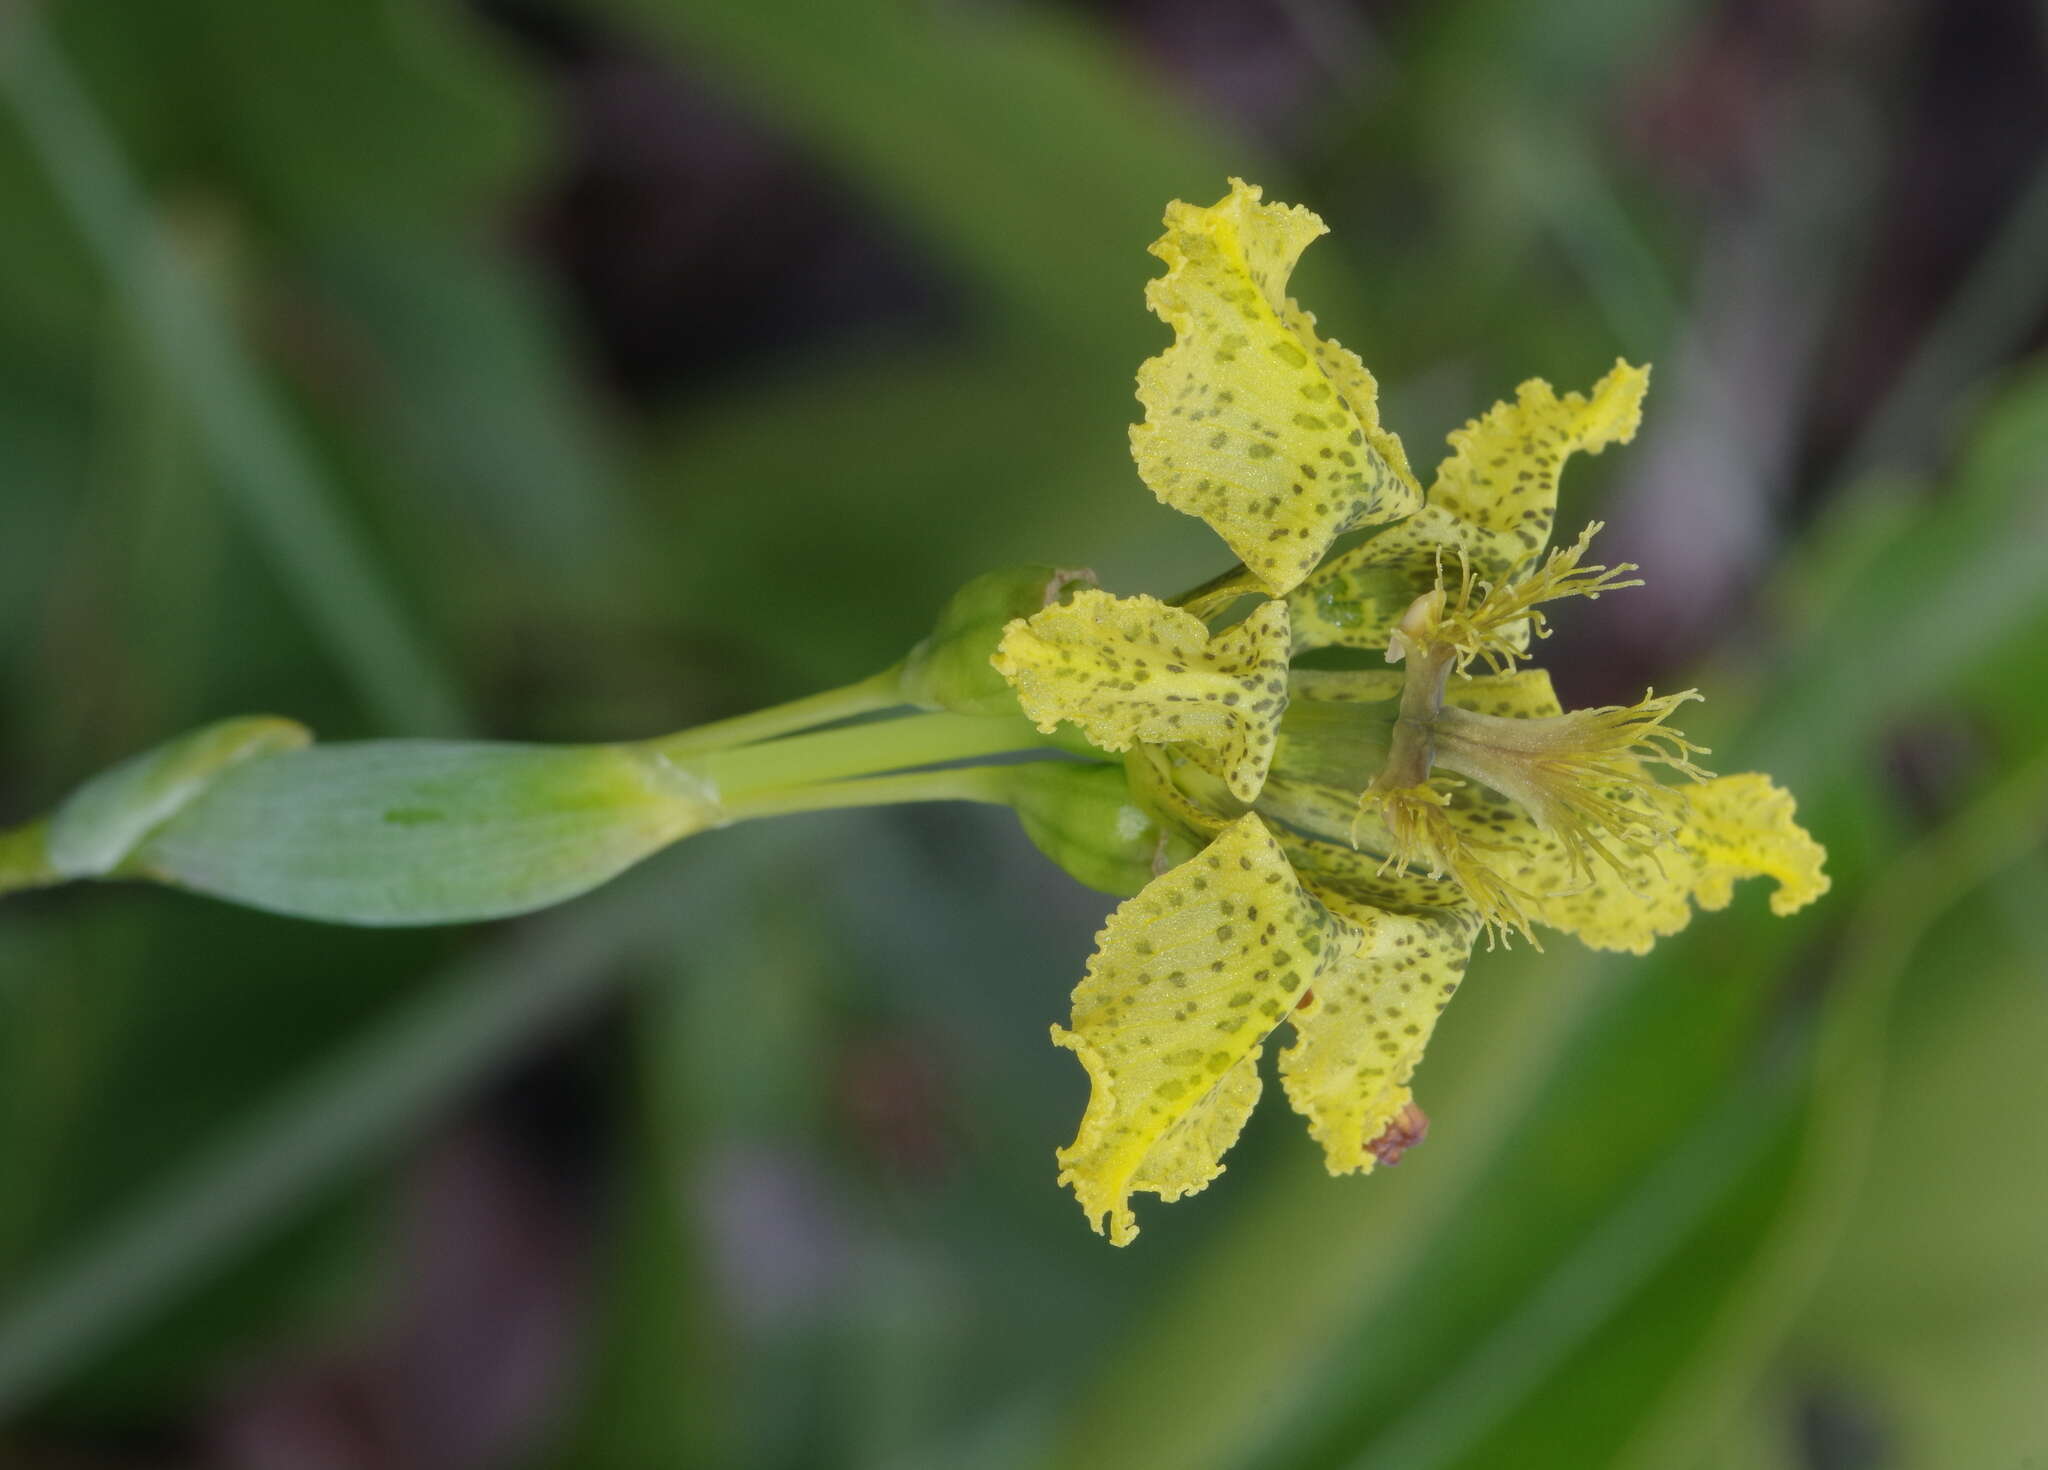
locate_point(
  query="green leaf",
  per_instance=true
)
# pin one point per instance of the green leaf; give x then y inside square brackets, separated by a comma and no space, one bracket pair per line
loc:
[97,828]
[424,831]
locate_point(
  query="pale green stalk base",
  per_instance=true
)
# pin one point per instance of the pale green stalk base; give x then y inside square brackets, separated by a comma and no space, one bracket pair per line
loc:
[735,775]
[988,784]
[435,831]
[866,697]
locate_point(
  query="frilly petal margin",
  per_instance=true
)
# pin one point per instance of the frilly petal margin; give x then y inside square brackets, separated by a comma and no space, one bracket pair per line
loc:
[1493,504]
[1288,456]
[1359,1038]
[1741,826]
[1189,979]
[1501,476]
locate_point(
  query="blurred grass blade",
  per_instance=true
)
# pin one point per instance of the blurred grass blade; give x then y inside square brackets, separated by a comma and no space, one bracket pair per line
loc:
[482,394]
[1614,1260]
[1650,1374]
[1989,316]
[1936,603]
[244,429]
[1019,138]
[1997,834]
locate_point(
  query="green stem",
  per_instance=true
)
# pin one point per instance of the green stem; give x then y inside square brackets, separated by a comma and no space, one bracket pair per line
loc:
[1218,593]
[24,858]
[880,692]
[988,784]
[858,750]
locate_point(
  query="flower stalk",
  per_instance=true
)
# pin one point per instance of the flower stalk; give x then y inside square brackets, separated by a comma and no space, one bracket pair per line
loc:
[419,832]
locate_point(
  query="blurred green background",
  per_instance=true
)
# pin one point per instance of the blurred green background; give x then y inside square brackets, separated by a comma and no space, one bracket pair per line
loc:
[581,369]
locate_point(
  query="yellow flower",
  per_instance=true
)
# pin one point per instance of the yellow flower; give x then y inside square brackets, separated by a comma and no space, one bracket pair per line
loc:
[1355,830]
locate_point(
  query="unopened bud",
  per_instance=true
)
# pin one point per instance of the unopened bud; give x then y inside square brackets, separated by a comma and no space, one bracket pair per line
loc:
[950,669]
[1083,817]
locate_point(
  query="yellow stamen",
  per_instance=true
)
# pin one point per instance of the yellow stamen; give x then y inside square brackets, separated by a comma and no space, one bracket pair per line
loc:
[1421,836]
[1583,775]
[1480,620]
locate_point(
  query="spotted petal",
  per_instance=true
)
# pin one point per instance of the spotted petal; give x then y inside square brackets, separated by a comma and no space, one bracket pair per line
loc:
[1731,827]
[1728,828]
[1494,501]
[1357,1041]
[1252,421]
[1132,669]
[1189,979]
[1740,826]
